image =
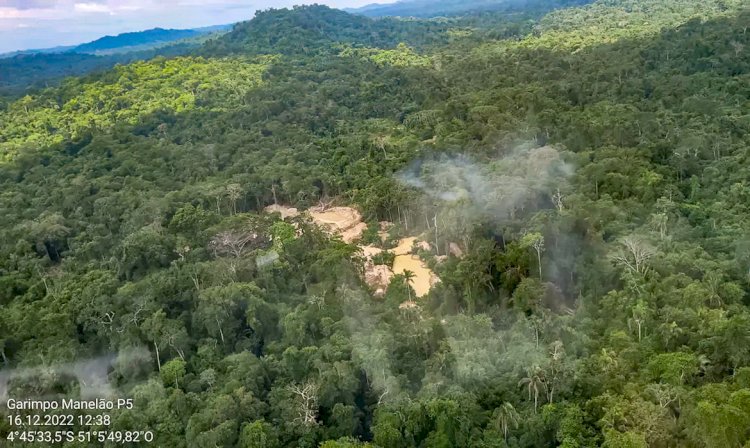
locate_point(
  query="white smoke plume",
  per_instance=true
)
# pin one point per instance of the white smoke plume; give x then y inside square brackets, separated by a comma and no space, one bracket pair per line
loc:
[505,191]
[92,375]
[370,344]
[266,258]
[499,189]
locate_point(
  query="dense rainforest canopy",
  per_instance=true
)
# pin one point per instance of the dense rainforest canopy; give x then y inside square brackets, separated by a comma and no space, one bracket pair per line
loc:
[580,176]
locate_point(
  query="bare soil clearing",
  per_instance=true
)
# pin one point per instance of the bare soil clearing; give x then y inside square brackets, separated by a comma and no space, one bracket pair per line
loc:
[347,222]
[344,221]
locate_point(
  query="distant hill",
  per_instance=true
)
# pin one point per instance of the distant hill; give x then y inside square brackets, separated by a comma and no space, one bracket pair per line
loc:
[24,72]
[143,40]
[129,42]
[148,37]
[437,8]
[29,69]
[215,28]
[312,28]
[53,50]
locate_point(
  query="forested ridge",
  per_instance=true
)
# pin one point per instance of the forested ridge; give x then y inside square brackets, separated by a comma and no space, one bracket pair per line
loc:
[442,8]
[25,71]
[579,176]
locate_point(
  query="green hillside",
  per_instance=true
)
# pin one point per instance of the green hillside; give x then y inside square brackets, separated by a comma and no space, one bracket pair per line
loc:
[149,37]
[578,179]
[312,29]
[30,70]
[442,8]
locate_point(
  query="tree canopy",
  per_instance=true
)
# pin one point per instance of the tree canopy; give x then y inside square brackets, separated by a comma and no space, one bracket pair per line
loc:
[578,177]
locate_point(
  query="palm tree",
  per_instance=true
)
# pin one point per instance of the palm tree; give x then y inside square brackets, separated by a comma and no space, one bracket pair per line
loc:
[535,383]
[408,277]
[505,416]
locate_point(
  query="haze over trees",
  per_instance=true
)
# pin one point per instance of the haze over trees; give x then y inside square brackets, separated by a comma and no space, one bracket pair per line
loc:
[439,8]
[579,174]
[23,71]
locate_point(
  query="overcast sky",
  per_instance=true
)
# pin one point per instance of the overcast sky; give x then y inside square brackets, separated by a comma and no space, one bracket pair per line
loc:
[26,24]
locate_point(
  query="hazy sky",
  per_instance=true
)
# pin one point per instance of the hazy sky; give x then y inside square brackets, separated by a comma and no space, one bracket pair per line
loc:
[26,24]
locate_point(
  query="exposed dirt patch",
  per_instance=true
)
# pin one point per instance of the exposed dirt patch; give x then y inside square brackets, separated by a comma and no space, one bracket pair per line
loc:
[370,251]
[344,221]
[424,279]
[405,246]
[378,277]
[347,222]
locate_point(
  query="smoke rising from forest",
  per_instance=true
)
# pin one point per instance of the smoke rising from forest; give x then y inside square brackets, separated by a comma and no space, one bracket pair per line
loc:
[500,189]
[266,258]
[370,344]
[505,192]
[91,375]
